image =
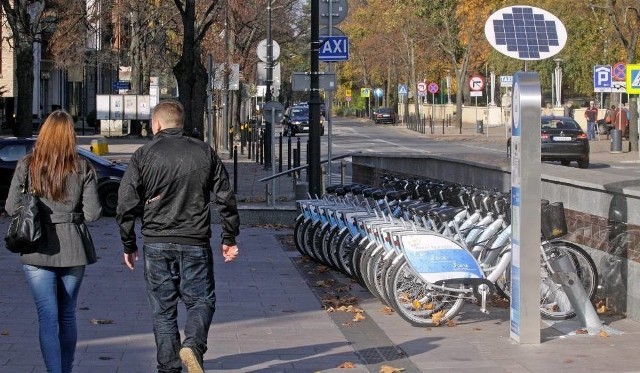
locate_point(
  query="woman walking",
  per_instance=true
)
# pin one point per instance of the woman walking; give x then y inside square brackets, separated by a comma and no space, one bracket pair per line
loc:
[67,189]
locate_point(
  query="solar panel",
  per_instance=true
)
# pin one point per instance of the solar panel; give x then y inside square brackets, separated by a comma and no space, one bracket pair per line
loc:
[525,33]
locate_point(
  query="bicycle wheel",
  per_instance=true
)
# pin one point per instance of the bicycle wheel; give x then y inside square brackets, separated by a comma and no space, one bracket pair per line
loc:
[416,303]
[299,229]
[307,239]
[316,242]
[344,252]
[358,251]
[554,302]
[329,246]
[374,263]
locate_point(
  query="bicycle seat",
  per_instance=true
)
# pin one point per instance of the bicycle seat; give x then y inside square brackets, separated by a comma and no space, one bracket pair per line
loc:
[379,194]
[369,191]
[448,214]
[398,195]
[423,208]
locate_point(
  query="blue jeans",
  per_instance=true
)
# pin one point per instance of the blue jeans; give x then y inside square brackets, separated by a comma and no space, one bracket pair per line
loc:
[172,272]
[55,291]
[591,130]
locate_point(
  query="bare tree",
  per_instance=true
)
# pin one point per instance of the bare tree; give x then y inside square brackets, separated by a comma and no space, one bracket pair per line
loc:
[190,71]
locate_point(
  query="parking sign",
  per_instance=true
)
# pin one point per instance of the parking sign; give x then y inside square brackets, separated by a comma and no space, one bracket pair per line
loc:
[602,78]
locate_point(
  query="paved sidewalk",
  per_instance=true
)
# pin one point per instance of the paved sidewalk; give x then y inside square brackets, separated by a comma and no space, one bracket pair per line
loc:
[270,316]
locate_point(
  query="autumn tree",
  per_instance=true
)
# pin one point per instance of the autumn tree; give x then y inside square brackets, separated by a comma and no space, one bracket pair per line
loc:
[25,19]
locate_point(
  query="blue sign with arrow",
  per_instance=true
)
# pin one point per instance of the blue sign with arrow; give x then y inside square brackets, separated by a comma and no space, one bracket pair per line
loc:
[334,48]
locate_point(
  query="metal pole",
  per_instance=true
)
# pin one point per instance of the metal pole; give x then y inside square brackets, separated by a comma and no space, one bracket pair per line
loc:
[315,174]
[269,81]
[273,160]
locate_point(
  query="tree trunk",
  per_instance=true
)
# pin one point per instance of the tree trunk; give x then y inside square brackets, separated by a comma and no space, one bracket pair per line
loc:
[192,88]
[24,77]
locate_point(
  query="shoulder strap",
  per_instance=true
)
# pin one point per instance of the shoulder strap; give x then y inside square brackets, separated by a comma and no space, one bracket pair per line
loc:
[25,183]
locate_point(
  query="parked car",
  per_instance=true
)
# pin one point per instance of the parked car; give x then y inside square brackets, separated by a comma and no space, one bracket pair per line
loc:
[296,120]
[385,115]
[562,140]
[109,173]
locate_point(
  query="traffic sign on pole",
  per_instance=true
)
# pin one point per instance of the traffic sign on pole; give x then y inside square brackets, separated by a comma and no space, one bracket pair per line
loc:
[476,83]
[433,87]
[633,79]
[422,87]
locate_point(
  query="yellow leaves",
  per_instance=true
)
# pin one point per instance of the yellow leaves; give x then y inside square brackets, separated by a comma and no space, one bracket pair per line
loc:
[417,305]
[386,310]
[336,302]
[358,317]
[601,308]
[346,365]
[451,323]
[603,334]
[436,317]
[390,369]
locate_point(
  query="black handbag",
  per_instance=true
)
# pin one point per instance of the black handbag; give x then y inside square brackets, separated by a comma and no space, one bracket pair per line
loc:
[24,230]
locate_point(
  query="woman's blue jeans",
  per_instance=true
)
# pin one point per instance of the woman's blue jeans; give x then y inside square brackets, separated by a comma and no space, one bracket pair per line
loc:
[55,291]
[185,272]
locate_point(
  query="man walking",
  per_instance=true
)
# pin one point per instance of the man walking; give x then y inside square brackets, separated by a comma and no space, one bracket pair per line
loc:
[591,115]
[174,176]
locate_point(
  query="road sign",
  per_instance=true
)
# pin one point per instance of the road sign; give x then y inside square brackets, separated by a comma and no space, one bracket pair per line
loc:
[619,72]
[272,108]
[302,81]
[348,98]
[365,92]
[337,13]
[433,87]
[347,92]
[378,92]
[122,85]
[334,48]
[324,31]
[422,87]
[476,83]
[506,81]
[402,89]
[602,78]
[633,79]
[261,50]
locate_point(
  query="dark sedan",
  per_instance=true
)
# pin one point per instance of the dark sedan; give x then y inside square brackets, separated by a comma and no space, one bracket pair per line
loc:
[562,140]
[385,115]
[109,173]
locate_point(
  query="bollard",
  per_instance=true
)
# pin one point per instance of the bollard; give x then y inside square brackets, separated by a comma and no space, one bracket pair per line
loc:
[343,171]
[296,162]
[443,126]
[235,169]
[615,137]
[280,153]
[479,126]
[289,154]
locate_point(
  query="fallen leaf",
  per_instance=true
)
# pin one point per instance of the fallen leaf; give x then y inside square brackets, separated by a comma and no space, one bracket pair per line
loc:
[325,283]
[4,332]
[451,323]
[98,321]
[602,309]
[358,317]
[404,298]
[322,269]
[331,309]
[386,310]
[568,361]
[390,369]
[603,334]
[582,331]
[436,317]
[343,289]
[346,365]
[477,329]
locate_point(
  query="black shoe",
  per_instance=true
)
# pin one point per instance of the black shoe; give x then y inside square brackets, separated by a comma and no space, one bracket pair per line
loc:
[191,360]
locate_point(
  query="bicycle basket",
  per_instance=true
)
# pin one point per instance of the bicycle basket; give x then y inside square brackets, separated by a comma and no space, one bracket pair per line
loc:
[553,223]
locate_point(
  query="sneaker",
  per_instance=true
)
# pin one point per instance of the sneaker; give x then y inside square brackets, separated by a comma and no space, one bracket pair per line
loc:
[190,360]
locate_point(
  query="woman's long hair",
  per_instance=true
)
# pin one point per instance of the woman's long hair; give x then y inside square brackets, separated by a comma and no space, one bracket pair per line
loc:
[54,156]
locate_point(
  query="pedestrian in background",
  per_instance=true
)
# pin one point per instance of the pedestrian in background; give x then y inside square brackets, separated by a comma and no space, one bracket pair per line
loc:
[568,109]
[174,176]
[548,110]
[67,190]
[621,120]
[591,115]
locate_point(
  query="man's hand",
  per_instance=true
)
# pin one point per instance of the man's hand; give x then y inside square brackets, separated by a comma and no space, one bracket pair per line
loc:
[229,252]
[131,259]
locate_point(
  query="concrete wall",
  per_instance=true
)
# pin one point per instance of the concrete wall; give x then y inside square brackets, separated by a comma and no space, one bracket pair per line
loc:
[599,210]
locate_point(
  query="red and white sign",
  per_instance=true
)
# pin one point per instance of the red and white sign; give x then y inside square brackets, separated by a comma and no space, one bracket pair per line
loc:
[422,87]
[619,72]
[433,87]
[476,83]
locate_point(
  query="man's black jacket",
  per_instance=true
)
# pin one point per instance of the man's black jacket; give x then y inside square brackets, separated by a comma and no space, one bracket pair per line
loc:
[174,176]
